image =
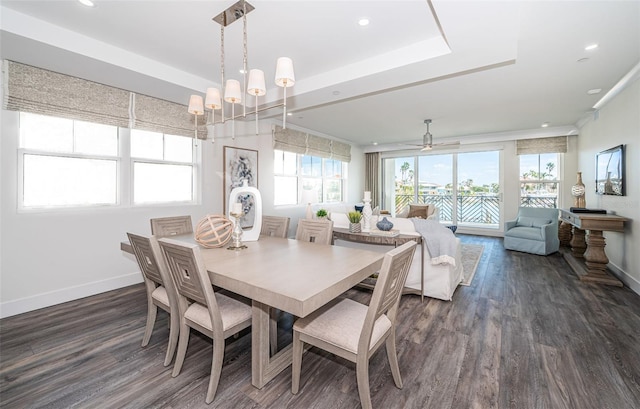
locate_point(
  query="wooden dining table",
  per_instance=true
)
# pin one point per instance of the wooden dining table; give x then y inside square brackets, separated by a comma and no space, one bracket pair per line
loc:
[290,275]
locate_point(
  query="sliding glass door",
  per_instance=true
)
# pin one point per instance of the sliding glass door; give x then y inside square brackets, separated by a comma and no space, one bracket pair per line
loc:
[464,186]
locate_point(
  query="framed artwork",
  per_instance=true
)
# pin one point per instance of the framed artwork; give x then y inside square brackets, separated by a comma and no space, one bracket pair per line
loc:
[610,171]
[239,165]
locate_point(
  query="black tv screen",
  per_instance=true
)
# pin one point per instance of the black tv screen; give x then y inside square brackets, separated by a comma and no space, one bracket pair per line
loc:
[610,171]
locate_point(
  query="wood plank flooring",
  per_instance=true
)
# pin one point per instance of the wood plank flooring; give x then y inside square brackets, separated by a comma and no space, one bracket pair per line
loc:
[526,334]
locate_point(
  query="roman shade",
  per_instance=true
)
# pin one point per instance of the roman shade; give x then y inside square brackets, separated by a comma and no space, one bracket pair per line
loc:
[44,92]
[556,144]
[303,143]
[39,91]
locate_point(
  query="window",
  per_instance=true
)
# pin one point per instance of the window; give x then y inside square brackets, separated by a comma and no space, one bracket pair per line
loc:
[163,167]
[539,182]
[69,163]
[296,172]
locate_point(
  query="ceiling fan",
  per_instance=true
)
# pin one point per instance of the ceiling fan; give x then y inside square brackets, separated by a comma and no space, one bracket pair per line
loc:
[427,140]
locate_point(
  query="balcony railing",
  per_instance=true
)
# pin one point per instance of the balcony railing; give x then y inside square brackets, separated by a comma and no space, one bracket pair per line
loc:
[480,209]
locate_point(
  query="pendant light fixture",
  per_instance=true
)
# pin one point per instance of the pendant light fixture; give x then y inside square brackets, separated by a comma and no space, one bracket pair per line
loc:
[255,87]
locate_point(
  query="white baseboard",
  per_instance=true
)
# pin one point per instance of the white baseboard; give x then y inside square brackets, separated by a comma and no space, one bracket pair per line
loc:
[623,276]
[35,302]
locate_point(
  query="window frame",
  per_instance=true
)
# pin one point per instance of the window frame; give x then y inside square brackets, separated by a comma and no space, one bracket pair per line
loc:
[323,178]
[124,175]
[558,177]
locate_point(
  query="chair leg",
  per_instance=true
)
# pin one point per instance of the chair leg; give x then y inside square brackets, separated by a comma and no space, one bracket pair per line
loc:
[152,312]
[362,376]
[174,331]
[216,369]
[297,362]
[393,359]
[273,331]
[182,348]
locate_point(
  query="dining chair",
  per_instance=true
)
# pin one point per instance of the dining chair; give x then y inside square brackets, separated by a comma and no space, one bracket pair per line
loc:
[212,314]
[275,226]
[354,331]
[160,289]
[315,231]
[171,226]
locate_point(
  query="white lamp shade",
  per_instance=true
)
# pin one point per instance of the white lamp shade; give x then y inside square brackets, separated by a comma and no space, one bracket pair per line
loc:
[284,72]
[212,101]
[256,85]
[232,92]
[195,105]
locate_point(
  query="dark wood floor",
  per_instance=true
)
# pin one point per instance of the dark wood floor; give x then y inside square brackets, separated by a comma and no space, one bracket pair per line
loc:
[525,334]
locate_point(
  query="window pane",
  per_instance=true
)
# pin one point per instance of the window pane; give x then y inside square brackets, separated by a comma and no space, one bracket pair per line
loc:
[285,190]
[278,162]
[478,188]
[95,139]
[290,165]
[333,189]
[549,166]
[403,176]
[60,181]
[178,148]
[154,183]
[332,168]
[46,133]
[146,144]
[435,183]
[539,195]
[311,166]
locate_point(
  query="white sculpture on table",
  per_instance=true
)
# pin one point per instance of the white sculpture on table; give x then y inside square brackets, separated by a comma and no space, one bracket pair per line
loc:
[366,212]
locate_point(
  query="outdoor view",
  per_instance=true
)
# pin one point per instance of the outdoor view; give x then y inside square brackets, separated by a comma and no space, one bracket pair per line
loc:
[470,195]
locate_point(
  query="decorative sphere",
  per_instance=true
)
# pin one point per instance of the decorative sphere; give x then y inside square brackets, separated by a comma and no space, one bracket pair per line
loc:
[214,230]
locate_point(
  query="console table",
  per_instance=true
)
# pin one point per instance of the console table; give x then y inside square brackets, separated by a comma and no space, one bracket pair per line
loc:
[591,250]
[398,240]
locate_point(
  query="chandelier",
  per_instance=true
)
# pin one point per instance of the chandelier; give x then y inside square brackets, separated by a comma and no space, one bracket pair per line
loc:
[255,86]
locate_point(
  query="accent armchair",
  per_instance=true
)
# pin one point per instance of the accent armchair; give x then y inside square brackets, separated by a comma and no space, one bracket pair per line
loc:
[534,231]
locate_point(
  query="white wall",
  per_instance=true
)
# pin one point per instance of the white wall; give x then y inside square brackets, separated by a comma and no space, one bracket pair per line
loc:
[617,123]
[47,258]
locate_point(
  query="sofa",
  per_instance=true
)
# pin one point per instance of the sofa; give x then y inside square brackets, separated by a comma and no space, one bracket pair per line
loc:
[535,231]
[440,280]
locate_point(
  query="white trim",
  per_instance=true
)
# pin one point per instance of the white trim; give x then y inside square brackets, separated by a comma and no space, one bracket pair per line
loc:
[34,302]
[624,82]
[625,277]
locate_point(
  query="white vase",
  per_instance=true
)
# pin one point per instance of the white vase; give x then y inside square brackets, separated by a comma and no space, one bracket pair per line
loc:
[253,233]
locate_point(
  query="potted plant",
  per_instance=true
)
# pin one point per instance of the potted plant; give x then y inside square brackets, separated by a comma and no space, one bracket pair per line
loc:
[354,222]
[321,214]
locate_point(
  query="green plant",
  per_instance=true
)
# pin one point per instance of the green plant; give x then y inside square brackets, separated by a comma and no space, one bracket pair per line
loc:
[321,213]
[354,217]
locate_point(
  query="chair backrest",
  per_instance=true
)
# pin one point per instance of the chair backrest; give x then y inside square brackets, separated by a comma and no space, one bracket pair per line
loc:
[191,278]
[539,212]
[388,289]
[275,226]
[170,226]
[152,264]
[315,231]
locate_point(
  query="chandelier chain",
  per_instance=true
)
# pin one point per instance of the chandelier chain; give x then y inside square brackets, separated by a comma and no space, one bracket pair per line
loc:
[244,55]
[222,64]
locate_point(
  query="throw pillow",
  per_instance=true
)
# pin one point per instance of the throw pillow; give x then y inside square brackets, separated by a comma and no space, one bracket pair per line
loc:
[419,211]
[525,221]
[540,222]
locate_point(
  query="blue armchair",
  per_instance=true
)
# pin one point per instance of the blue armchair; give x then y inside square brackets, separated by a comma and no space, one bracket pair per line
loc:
[534,231]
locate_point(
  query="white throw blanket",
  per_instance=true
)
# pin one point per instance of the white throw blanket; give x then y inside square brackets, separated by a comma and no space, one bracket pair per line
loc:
[440,241]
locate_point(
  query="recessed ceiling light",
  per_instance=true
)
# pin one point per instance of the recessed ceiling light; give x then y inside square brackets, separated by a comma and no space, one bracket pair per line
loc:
[242,71]
[87,3]
[375,143]
[363,22]
[544,125]
[336,92]
[594,91]
[591,47]
[289,114]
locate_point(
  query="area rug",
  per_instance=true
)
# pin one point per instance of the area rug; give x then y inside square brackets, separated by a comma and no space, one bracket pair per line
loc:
[471,254]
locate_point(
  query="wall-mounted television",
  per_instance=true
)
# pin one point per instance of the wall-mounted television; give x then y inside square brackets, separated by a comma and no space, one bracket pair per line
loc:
[610,171]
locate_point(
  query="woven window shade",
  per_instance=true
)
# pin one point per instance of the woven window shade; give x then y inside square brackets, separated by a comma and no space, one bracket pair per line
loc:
[39,91]
[556,144]
[303,143]
[158,115]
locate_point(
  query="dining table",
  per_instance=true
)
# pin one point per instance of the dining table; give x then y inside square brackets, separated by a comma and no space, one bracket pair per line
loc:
[293,276]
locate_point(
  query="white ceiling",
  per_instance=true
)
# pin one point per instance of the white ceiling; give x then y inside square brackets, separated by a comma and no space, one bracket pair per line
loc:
[475,68]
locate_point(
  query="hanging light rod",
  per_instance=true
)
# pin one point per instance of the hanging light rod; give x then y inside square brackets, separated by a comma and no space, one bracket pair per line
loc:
[233,91]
